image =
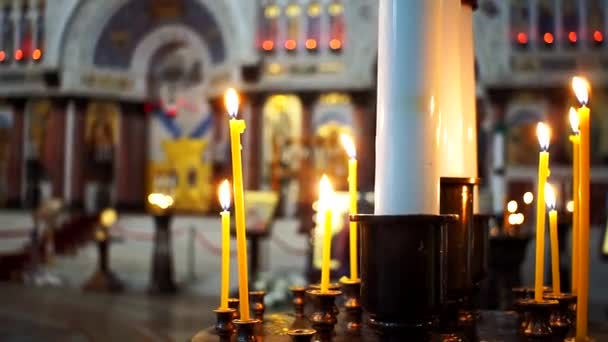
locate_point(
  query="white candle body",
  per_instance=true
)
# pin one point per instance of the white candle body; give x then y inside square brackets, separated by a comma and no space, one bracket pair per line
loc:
[469,96]
[407,146]
[452,123]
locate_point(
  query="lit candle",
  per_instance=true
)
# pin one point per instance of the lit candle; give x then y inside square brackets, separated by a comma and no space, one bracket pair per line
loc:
[237,127]
[224,195]
[581,89]
[550,199]
[349,146]
[543,171]
[575,139]
[325,199]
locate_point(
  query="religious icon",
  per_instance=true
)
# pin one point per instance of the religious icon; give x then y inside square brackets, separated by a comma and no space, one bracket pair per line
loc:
[101,130]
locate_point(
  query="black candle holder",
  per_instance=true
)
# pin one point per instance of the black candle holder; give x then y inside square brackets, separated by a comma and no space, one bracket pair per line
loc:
[331,287]
[562,318]
[299,300]
[301,335]
[257,299]
[537,319]
[224,327]
[403,265]
[233,303]
[245,330]
[521,294]
[352,304]
[323,318]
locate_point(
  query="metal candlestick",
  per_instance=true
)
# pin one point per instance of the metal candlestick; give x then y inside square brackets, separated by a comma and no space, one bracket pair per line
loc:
[537,319]
[162,277]
[299,295]
[323,318]
[521,294]
[301,335]
[223,323]
[562,319]
[245,330]
[257,299]
[331,287]
[352,304]
[403,272]
[233,303]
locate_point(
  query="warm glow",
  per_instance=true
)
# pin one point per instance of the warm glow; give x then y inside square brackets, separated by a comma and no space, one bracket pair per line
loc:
[311,44]
[572,37]
[224,194]
[37,54]
[290,44]
[598,36]
[512,206]
[325,190]
[272,11]
[349,145]
[522,38]
[581,89]
[550,196]
[314,10]
[160,200]
[574,120]
[335,44]
[528,197]
[544,134]
[520,218]
[548,38]
[231,101]
[515,219]
[108,217]
[570,206]
[2,56]
[19,54]
[267,45]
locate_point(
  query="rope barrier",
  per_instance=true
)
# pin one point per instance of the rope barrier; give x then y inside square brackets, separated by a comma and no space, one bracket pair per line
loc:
[287,248]
[6,234]
[209,246]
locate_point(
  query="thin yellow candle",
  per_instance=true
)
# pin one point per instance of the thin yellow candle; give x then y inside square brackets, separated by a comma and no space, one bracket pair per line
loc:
[349,146]
[224,195]
[581,89]
[550,199]
[575,139]
[237,127]
[543,133]
[325,198]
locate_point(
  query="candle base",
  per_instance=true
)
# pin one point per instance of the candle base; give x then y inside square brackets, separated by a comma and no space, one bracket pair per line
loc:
[224,327]
[233,303]
[301,335]
[323,318]
[352,304]
[537,321]
[564,316]
[331,287]
[403,272]
[257,299]
[245,330]
[299,300]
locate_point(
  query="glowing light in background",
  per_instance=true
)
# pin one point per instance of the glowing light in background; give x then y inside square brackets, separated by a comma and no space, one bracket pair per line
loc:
[512,206]
[528,197]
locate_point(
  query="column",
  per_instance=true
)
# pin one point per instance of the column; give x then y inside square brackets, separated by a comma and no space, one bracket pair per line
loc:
[68,153]
[407,148]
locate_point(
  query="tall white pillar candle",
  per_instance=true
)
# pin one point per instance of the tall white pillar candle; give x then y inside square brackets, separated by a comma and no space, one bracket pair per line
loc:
[469,96]
[452,124]
[407,140]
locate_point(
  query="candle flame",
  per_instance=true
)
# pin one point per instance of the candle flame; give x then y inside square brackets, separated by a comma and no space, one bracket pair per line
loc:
[570,206]
[224,194]
[550,196]
[108,217]
[349,145]
[581,89]
[231,101]
[325,190]
[160,200]
[544,134]
[512,206]
[574,120]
